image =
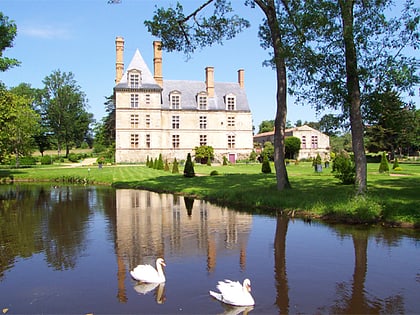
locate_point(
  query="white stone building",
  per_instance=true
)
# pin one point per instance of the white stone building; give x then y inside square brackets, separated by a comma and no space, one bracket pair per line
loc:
[312,141]
[172,117]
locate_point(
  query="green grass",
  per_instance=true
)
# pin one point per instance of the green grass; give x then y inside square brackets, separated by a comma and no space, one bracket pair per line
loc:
[392,198]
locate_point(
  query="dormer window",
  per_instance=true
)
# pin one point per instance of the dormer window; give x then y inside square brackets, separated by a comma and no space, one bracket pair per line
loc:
[230,100]
[175,100]
[134,79]
[202,101]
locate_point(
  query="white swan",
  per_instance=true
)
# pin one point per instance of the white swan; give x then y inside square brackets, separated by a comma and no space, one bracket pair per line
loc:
[233,293]
[146,273]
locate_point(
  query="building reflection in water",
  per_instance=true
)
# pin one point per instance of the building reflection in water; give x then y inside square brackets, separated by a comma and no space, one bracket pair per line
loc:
[151,225]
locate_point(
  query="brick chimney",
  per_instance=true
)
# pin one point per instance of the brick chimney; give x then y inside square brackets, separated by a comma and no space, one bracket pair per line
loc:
[210,81]
[241,78]
[119,64]
[157,62]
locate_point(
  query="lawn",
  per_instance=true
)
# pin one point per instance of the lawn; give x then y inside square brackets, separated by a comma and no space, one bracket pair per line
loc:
[392,198]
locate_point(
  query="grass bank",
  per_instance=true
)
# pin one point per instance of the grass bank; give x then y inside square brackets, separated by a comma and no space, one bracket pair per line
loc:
[392,199]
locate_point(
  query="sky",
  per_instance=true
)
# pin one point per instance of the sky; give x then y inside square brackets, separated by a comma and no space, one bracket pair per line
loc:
[78,36]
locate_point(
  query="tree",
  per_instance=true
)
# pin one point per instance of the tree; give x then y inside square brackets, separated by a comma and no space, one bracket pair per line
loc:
[266,126]
[330,124]
[292,146]
[391,122]
[7,35]
[204,153]
[189,167]
[64,110]
[353,50]
[105,130]
[186,33]
[18,124]
[34,97]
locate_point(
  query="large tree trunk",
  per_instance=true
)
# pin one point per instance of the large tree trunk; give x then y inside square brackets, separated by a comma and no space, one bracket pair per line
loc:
[353,89]
[269,9]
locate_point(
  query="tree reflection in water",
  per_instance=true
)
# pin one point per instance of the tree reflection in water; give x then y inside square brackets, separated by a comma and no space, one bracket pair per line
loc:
[351,298]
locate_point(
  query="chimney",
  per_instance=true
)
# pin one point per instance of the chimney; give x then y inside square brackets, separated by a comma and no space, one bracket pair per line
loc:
[157,62]
[241,76]
[119,64]
[210,81]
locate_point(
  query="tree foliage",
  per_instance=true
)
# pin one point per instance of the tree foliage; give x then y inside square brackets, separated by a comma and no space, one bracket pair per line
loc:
[266,126]
[391,123]
[292,145]
[18,124]
[8,31]
[64,110]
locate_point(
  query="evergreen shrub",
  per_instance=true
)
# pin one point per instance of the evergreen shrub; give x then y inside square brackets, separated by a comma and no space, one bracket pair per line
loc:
[265,167]
[189,167]
[344,168]
[383,167]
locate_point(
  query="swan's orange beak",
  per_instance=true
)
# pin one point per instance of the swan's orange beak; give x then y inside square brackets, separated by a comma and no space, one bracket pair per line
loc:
[248,287]
[163,263]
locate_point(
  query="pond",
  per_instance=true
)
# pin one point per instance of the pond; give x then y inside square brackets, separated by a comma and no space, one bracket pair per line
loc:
[70,249]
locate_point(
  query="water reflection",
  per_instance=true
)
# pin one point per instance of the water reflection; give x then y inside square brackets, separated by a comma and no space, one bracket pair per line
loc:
[62,248]
[151,225]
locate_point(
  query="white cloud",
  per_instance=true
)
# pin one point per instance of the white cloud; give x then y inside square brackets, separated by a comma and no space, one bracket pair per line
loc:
[45,32]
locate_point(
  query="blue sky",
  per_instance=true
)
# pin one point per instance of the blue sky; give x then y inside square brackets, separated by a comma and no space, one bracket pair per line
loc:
[79,37]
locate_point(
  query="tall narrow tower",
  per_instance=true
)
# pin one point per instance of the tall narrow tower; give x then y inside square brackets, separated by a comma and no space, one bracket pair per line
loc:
[119,64]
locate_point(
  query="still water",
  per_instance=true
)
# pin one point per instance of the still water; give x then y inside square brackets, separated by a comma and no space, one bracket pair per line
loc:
[70,249]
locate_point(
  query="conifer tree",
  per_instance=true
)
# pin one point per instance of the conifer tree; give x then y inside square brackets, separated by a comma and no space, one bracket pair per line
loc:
[166,169]
[189,167]
[175,169]
[383,167]
[396,164]
[160,165]
[265,167]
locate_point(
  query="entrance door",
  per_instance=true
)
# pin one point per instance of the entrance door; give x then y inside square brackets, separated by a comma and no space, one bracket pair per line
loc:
[232,158]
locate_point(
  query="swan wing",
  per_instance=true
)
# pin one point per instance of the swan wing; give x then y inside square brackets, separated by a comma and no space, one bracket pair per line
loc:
[146,273]
[232,292]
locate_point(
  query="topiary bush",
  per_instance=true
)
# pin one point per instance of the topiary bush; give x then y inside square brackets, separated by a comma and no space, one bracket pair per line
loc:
[396,164]
[225,161]
[344,168]
[175,169]
[383,167]
[265,167]
[189,167]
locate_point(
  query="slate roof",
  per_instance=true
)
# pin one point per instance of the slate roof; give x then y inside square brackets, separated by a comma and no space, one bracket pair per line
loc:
[188,89]
[147,80]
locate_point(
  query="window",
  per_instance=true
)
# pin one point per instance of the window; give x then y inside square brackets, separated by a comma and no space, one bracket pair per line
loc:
[203,140]
[147,141]
[134,100]
[147,99]
[303,142]
[202,102]
[134,140]
[230,102]
[314,142]
[175,122]
[134,119]
[203,122]
[175,101]
[231,141]
[134,80]
[231,121]
[175,141]
[147,121]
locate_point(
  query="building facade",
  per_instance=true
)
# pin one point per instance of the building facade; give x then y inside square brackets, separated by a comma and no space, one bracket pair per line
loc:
[171,117]
[312,141]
